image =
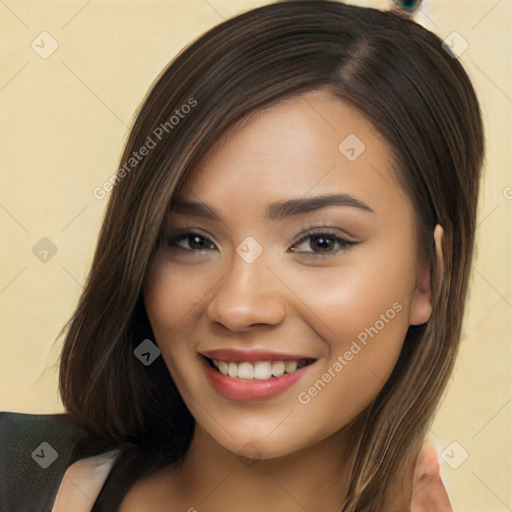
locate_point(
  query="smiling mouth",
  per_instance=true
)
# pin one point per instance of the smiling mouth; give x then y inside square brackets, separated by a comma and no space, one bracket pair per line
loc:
[258,370]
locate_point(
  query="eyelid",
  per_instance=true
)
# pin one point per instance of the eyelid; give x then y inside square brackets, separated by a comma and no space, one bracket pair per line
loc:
[182,233]
[332,234]
[305,229]
[323,230]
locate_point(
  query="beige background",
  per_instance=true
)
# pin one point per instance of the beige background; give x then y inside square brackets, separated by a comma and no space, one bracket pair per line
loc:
[64,119]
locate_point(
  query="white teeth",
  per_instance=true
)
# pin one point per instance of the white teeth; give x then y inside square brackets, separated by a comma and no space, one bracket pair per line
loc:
[232,369]
[223,367]
[260,370]
[245,371]
[277,368]
[290,366]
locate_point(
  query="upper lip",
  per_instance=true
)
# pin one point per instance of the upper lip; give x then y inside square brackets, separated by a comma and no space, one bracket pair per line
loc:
[238,355]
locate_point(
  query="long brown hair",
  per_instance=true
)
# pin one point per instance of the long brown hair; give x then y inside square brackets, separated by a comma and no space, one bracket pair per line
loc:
[421,101]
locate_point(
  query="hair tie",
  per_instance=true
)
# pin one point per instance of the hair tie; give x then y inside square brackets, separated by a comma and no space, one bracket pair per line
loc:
[406,8]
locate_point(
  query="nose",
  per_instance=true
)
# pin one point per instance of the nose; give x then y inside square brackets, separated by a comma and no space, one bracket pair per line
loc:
[248,295]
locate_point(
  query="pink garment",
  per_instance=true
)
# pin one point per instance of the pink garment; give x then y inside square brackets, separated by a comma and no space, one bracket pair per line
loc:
[82,483]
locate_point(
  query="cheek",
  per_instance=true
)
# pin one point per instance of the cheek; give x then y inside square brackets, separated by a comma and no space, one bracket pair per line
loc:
[367,290]
[174,297]
[169,297]
[360,356]
[361,312]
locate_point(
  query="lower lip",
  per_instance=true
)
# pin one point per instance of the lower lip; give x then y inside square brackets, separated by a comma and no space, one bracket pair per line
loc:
[244,390]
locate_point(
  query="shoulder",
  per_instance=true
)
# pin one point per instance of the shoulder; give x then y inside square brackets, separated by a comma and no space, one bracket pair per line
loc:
[37,448]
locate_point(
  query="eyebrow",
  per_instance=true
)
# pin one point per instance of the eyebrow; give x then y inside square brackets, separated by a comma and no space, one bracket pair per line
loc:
[278,210]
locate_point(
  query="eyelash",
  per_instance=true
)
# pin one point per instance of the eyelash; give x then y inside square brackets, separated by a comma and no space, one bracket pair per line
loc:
[343,242]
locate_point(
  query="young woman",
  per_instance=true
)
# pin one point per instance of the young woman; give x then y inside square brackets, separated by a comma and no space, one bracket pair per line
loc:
[275,303]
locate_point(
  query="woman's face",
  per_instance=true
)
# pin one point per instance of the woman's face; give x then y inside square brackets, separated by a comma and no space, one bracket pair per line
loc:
[289,279]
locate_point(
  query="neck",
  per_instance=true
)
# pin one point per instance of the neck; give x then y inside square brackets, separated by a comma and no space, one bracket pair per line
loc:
[218,480]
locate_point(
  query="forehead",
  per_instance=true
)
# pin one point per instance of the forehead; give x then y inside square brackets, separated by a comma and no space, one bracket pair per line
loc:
[310,144]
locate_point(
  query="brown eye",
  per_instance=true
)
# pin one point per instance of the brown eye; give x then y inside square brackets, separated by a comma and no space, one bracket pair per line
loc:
[195,242]
[321,244]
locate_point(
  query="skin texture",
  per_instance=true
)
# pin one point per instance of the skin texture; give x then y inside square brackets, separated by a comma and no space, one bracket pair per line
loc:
[429,493]
[283,453]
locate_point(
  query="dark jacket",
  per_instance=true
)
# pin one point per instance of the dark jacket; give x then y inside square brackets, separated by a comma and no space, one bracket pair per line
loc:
[35,451]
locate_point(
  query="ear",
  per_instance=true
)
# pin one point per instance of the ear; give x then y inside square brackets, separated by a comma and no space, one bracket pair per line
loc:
[421,303]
